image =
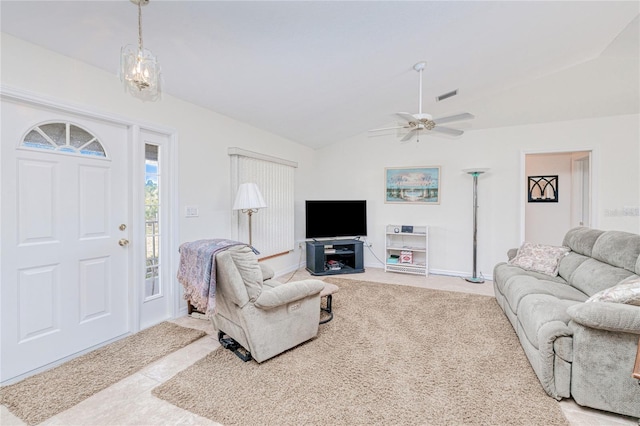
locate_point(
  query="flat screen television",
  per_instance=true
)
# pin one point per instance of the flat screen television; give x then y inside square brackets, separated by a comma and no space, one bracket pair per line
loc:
[335,218]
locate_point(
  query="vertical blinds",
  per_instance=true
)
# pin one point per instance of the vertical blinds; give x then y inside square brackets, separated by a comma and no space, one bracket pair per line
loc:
[273,226]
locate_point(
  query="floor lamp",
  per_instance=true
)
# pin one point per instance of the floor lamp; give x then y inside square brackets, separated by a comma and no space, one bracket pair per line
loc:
[475,173]
[249,200]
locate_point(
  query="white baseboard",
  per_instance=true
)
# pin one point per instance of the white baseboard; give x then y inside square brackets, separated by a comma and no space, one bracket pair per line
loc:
[458,274]
[444,272]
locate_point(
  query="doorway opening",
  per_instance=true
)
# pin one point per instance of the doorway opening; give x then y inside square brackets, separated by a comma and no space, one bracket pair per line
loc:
[546,221]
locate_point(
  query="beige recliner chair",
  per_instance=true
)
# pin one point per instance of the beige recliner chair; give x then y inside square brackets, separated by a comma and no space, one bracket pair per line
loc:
[262,315]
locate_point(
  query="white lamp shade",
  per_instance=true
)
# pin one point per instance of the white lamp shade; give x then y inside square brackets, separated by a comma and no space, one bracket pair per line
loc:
[249,197]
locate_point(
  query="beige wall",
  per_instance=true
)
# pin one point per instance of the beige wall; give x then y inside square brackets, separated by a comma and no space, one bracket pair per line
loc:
[203,135]
[354,168]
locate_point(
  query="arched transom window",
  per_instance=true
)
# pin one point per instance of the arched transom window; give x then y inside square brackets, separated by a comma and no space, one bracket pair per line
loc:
[65,138]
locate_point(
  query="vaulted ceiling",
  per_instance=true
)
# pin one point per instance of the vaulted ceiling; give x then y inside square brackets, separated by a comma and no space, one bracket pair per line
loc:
[320,72]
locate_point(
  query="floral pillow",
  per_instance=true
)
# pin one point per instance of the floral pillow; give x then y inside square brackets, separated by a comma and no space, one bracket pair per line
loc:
[627,292]
[539,258]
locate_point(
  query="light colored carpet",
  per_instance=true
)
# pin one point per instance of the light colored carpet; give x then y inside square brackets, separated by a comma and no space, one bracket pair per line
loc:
[391,355]
[44,395]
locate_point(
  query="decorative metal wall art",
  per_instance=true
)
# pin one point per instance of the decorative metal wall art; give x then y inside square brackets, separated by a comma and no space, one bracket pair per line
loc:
[543,189]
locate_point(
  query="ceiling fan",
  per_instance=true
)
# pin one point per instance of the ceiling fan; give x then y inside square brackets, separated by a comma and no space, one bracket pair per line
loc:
[423,121]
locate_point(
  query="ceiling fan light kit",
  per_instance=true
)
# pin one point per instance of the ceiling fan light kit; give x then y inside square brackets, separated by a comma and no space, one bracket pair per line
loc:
[421,121]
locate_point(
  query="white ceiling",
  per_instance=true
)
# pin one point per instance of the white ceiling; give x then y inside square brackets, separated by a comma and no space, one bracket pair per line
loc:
[320,72]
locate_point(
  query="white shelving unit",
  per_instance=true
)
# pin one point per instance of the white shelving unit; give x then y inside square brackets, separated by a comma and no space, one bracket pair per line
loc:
[409,249]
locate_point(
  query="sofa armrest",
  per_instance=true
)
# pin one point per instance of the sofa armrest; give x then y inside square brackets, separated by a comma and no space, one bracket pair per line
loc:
[616,317]
[267,271]
[283,294]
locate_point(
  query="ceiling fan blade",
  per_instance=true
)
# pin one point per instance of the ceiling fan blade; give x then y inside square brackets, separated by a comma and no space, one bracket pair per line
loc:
[447,131]
[390,128]
[456,117]
[408,135]
[406,116]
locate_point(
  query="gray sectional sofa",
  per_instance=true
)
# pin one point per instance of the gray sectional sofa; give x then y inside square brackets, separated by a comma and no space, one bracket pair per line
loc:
[581,350]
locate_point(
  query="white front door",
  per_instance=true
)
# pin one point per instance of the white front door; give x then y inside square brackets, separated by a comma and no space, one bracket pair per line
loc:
[64,253]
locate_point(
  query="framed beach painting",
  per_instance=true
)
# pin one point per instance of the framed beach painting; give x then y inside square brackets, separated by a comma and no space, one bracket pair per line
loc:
[412,185]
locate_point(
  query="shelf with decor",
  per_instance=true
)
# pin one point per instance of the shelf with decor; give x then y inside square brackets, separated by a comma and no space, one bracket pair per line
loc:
[407,249]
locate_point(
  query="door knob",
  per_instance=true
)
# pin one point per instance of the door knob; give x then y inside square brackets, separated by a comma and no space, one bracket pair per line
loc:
[123,242]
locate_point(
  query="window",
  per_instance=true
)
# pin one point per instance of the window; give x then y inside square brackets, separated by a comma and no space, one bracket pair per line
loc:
[64,138]
[273,226]
[152,220]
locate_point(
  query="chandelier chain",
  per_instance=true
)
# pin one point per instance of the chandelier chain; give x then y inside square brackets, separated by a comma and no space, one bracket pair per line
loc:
[140,25]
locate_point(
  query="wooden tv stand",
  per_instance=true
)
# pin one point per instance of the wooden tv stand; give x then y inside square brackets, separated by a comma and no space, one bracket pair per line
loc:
[332,257]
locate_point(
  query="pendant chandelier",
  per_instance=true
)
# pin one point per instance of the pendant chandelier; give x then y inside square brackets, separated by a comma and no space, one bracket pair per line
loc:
[139,68]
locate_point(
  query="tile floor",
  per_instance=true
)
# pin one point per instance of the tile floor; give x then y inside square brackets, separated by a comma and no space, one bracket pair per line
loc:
[129,402]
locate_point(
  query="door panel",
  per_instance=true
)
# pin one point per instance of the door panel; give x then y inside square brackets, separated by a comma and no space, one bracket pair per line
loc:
[95,288]
[94,194]
[37,288]
[64,276]
[37,215]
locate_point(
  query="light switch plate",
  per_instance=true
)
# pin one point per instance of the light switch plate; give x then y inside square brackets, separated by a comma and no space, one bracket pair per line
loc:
[191,211]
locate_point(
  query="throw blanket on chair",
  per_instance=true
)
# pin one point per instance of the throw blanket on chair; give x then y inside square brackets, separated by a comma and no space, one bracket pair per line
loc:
[197,271]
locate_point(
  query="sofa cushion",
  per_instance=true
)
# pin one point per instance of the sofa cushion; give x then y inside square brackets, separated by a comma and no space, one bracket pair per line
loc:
[626,292]
[539,258]
[503,273]
[581,240]
[267,272]
[593,276]
[569,264]
[619,318]
[538,312]
[618,248]
[519,287]
[247,264]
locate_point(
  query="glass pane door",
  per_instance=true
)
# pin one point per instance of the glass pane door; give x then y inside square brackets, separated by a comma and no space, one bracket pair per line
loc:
[155,292]
[152,221]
